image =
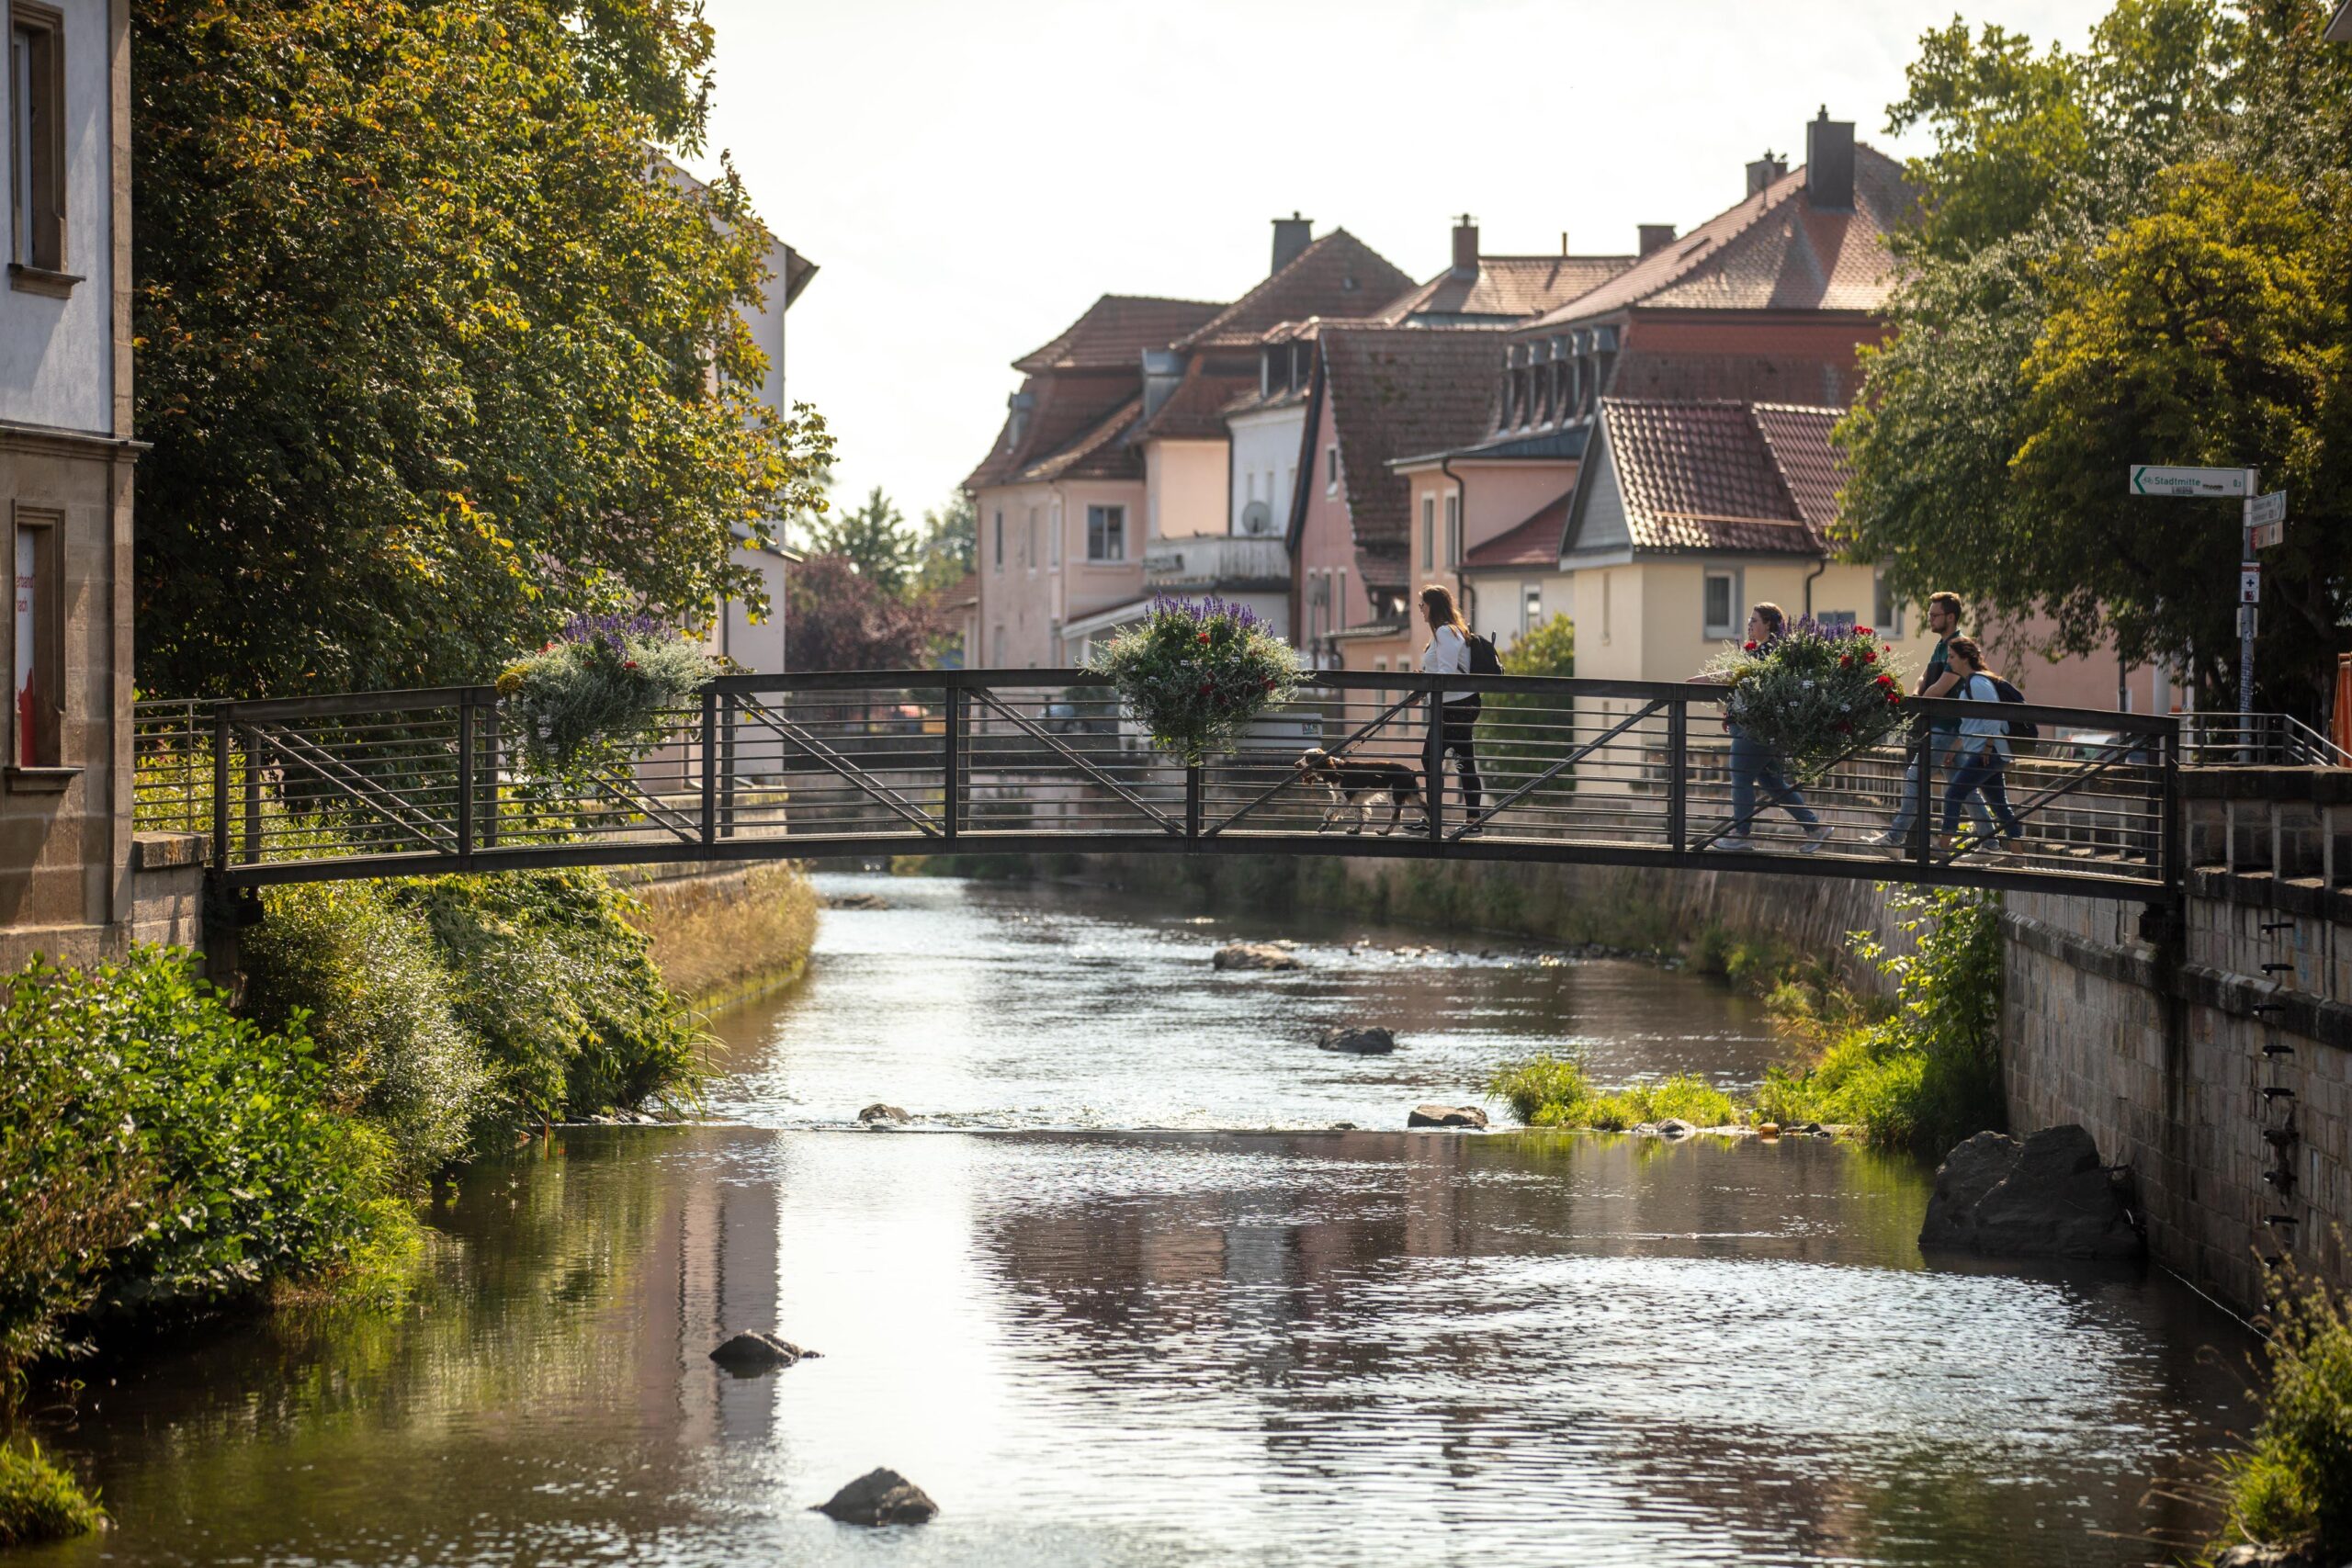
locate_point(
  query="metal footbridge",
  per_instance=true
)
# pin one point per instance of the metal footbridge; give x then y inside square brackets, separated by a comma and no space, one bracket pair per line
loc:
[1033,762]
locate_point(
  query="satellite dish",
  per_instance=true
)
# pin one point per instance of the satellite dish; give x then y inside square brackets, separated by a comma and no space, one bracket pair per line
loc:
[1257,518]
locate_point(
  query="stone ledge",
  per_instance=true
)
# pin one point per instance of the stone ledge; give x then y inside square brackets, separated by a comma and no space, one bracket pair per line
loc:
[2268,890]
[2318,787]
[169,851]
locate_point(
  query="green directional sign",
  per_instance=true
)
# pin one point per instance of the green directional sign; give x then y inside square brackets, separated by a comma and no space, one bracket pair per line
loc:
[2147,478]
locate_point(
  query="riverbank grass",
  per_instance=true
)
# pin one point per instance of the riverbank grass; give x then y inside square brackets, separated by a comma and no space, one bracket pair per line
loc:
[722,940]
[2293,1485]
[39,1501]
[1556,1091]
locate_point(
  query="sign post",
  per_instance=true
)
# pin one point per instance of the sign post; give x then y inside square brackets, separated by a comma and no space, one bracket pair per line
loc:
[2262,523]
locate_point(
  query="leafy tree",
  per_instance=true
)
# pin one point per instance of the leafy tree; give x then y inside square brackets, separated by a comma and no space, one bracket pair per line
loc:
[838,617]
[873,538]
[2121,256]
[951,543]
[434,353]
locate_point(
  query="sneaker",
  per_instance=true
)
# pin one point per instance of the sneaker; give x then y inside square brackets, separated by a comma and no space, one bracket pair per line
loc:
[1476,824]
[1814,838]
[1892,838]
[1739,844]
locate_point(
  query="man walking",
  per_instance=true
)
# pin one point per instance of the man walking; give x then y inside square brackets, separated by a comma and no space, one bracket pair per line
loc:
[1939,680]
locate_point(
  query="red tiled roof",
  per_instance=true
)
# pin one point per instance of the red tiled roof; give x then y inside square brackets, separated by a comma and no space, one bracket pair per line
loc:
[1100,453]
[962,593]
[1772,252]
[1115,332]
[1536,542]
[1066,407]
[1338,274]
[1712,477]
[1195,410]
[1512,287]
[1394,391]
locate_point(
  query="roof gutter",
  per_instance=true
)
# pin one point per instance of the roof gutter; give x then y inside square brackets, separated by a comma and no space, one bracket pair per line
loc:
[1819,567]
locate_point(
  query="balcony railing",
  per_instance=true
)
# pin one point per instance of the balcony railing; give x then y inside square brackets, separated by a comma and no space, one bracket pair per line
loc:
[1217,561]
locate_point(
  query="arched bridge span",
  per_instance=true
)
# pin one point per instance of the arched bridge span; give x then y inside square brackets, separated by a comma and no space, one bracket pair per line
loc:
[1034,761]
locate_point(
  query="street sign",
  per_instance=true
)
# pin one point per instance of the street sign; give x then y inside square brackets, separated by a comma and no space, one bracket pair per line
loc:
[2246,613]
[2147,478]
[2262,535]
[2250,585]
[2271,508]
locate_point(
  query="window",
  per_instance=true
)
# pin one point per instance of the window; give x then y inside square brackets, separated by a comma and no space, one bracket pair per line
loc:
[1029,541]
[1106,533]
[36,143]
[1453,529]
[1251,480]
[1836,620]
[996,651]
[1000,551]
[1722,600]
[1429,532]
[1606,619]
[1886,611]
[1054,536]
[1531,607]
[1381,663]
[36,648]
[1332,469]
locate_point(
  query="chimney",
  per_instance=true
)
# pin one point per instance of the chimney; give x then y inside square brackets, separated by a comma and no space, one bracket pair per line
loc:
[1656,237]
[1765,170]
[1829,164]
[1292,235]
[1465,246]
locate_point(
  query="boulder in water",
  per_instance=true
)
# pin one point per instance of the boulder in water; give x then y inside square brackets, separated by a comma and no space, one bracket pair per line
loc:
[1254,956]
[1356,1041]
[750,1354]
[2045,1197]
[1446,1116]
[1675,1127]
[880,1111]
[880,1496]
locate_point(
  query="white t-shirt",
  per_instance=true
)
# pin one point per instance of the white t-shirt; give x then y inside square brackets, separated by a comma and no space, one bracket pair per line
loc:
[1448,653]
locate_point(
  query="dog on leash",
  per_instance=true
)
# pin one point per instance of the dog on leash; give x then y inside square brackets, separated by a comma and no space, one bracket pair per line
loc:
[1353,786]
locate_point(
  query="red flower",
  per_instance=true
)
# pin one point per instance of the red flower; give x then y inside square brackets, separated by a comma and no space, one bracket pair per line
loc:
[1205,688]
[1845,662]
[1270,682]
[1886,680]
[628,663]
[1204,636]
[1864,631]
[1747,648]
[1869,658]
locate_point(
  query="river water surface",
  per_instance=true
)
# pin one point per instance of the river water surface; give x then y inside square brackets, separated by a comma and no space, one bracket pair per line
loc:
[1127,1296]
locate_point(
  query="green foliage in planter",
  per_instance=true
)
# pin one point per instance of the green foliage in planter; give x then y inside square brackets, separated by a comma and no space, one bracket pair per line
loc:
[361,971]
[1195,674]
[156,1147]
[39,1501]
[1812,694]
[600,693]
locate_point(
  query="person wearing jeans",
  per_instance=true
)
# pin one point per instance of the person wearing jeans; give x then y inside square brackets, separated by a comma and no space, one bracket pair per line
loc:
[1943,745]
[1753,767]
[1448,653]
[1983,753]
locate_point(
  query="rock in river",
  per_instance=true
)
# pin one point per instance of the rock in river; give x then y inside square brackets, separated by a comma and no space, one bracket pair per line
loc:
[1365,1041]
[881,1112]
[1254,956]
[2047,1197]
[750,1354]
[1446,1116]
[1675,1127]
[880,1496]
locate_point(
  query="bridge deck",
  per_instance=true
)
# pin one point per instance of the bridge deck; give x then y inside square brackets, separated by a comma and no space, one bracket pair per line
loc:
[1034,761]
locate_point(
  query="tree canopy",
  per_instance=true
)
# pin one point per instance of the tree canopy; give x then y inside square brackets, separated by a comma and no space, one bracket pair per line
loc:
[2134,254]
[436,350]
[872,537]
[840,618]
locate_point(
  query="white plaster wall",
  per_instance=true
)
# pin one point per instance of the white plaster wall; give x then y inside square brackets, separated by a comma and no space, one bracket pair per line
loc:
[1265,463]
[57,356]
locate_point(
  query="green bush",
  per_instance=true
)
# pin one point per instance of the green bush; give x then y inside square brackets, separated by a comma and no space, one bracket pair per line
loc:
[2293,1485]
[364,973]
[1511,749]
[550,977]
[165,1149]
[1554,1091]
[1928,1075]
[39,1501]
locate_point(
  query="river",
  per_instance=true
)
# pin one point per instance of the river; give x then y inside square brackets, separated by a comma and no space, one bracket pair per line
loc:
[1128,1294]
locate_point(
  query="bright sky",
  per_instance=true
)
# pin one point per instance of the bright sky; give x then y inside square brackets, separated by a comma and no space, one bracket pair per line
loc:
[970,177]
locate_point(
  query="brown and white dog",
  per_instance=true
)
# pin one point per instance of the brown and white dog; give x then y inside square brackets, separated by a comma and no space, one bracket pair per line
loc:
[1355,785]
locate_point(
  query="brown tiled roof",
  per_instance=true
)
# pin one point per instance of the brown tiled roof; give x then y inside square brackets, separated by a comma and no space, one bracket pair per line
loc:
[962,593]
[1103,453]
[1709,477]
[1509,287]
[1811,467]
[1393,391]
[1536,542]
[1338,274]
[1115,332]
[1772,252]
[1195,410]
[1066,406]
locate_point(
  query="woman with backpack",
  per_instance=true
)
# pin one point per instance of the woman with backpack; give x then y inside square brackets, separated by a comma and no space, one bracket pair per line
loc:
[1983,753]
[1449,652]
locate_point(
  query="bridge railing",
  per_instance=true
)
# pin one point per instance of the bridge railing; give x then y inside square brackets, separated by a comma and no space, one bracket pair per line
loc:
[932,761]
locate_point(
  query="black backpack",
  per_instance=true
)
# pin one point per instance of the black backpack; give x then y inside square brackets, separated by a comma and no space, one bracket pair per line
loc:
[1483,660]
[2020,728]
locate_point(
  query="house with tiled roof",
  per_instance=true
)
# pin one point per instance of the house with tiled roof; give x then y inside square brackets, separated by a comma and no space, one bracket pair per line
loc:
[1481,290]
[1109,480]
[1767,303]
[1376,392]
